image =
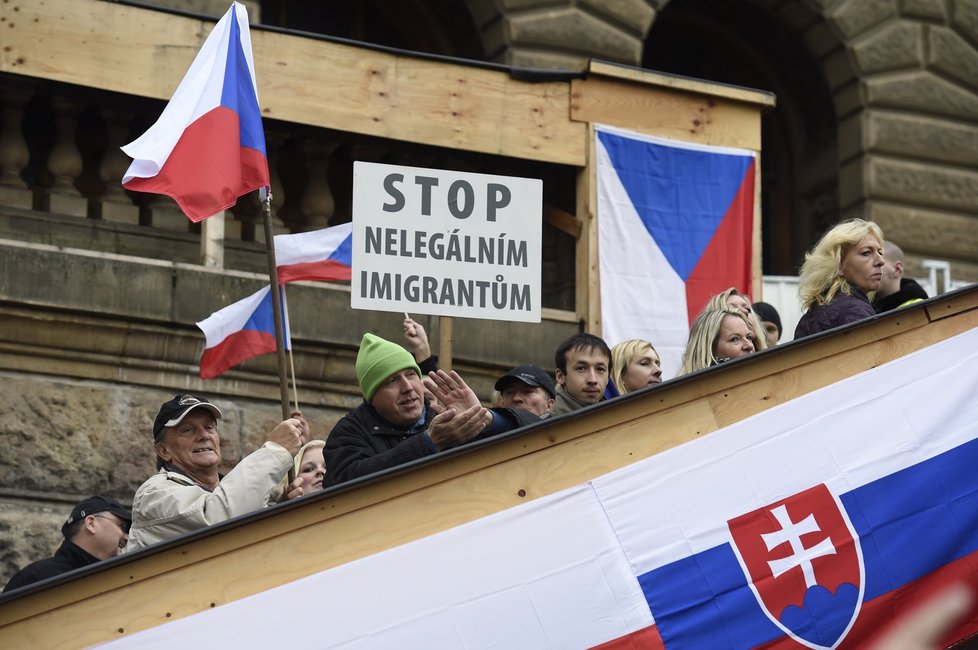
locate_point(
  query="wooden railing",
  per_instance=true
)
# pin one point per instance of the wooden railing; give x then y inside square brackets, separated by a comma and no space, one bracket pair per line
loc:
[267,549]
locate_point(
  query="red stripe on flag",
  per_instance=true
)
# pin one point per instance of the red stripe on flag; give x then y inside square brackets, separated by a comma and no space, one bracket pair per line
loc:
[235,349]
[323,271]
[727,259]
[876,615]
[208,169]
[645,639]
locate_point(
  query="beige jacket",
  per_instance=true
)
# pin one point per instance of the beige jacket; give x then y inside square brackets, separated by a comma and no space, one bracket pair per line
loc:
[169,504]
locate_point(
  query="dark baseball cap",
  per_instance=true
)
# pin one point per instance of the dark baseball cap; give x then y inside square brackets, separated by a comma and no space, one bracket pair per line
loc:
[530,375]
[174,411]
[93,505]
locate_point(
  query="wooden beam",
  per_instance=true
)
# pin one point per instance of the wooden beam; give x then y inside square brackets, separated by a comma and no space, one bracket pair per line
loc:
[304,80]
[586,255]
[269,549]
[762,99]
[666,112]
[757,242]
[562,221]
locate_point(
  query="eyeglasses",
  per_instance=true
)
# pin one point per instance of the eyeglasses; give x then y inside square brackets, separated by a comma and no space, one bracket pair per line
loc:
[122,525]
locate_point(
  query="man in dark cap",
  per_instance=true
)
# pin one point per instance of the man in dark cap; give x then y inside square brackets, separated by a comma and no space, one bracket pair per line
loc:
[770,321]
[96,529]
[526,387]
[187,492]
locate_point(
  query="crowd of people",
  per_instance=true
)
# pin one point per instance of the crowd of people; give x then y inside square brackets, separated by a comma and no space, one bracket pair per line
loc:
[411,409]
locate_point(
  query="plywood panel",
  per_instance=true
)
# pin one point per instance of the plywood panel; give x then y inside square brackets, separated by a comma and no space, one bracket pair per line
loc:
[294,541]
[277,559]
[762,99]
[309,81]
[666,112]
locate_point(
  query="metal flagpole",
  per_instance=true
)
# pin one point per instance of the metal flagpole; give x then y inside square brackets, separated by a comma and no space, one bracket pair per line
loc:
[265,197]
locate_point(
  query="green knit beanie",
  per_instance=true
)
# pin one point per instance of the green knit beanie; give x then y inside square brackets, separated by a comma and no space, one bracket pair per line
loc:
[377,360]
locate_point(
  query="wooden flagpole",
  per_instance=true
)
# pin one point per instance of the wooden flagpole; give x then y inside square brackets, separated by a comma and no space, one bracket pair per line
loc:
[446,338]
[265,197]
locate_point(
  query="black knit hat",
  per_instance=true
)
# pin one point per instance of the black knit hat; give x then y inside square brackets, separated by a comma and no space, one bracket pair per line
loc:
[766,312]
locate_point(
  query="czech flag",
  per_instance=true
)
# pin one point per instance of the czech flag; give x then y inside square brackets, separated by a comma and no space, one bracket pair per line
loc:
[208,147]
[318,255]
[241,331]
[675,225]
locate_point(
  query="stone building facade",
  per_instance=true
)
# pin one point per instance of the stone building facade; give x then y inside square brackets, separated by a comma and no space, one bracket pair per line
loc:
[877,115]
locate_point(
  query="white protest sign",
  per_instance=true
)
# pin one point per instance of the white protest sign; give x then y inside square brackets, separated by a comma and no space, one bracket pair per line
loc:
[446,243]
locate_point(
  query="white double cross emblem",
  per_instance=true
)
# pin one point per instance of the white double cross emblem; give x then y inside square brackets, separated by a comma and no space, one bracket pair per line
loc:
[800,556]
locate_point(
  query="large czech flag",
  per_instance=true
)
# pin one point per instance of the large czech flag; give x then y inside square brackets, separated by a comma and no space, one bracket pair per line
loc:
[675,224]
[208,147]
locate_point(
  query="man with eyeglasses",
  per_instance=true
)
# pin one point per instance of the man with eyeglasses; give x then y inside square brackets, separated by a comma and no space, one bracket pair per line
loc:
[96,529]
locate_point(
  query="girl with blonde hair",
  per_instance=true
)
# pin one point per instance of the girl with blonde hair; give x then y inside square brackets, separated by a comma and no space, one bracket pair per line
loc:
[716,336]
[635,364]
[736,300]
[310,466]
[840,277]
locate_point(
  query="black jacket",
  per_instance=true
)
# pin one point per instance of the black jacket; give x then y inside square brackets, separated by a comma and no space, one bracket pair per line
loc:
[909,291]
[363,442]
[67,558]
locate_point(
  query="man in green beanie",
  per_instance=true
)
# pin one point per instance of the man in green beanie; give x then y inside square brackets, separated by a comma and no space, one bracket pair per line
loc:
[396,424]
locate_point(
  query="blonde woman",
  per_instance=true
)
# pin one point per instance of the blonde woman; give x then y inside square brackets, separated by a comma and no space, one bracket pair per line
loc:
[840,277]
[635,364]
[716,336]
[735,300]
[310,468]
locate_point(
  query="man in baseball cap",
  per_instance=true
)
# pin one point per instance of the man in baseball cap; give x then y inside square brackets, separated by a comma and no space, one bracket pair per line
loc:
[526,387]
[174,411]
[96,529]
[188,492]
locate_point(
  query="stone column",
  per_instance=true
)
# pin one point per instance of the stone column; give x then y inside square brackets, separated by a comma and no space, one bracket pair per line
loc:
[13,150]
[65,162]
[212,240]
[909,149]
[116,204]
[317,202]
[164,213]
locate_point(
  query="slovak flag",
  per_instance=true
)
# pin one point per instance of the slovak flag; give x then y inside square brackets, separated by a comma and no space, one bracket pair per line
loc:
[241,331]
[208,147]
[318,255]
[809,526]
[675,224]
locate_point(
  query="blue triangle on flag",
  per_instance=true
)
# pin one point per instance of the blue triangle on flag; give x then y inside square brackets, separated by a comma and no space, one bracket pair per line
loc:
[681,195]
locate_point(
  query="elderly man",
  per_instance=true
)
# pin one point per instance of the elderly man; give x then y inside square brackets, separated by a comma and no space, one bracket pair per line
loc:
[96,529]
[396,424]
[896,290]
[187,492]
[526,387]
[583,367]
